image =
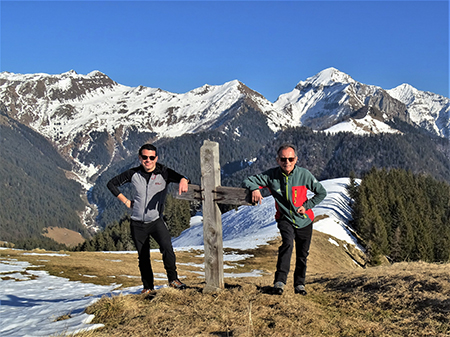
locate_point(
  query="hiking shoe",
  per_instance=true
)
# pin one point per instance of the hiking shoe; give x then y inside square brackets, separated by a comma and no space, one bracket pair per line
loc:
[177,284]
[278,288]
[146,291]
[300,289]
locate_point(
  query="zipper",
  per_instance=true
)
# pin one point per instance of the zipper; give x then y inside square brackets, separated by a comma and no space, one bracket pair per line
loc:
[287,198]
[146,196]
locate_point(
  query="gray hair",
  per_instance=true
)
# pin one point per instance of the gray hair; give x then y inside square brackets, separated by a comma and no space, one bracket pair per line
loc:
[286,146]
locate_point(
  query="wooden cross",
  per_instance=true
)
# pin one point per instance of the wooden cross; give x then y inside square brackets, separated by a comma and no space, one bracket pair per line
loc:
[211,194]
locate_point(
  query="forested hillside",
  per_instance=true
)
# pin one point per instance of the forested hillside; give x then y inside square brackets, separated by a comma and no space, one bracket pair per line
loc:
[403,216]
[333,156]
[326,156]
[35,192]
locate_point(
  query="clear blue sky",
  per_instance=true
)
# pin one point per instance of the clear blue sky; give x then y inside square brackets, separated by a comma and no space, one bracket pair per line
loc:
[268,45]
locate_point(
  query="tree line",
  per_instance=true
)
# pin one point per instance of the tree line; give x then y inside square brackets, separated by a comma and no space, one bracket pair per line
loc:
[402,215]
[330,156]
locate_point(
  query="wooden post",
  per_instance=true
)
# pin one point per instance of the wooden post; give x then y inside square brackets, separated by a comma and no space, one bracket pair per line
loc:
[212,218]
[211,193]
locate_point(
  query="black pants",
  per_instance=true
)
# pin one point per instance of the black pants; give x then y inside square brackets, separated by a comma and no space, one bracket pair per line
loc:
[302,238]
[141,233]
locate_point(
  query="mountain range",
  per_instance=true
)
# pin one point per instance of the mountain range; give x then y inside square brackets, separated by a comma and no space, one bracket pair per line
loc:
[77,112]
[95,123]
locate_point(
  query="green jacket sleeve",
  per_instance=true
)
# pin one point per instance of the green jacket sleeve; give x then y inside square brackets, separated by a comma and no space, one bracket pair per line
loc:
[256,181]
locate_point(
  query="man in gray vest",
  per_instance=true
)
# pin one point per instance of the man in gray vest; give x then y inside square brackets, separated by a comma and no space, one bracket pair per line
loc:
[150,181]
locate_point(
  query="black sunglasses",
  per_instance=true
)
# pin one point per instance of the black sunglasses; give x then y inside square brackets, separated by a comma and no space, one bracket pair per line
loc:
[291,159]
[148,157]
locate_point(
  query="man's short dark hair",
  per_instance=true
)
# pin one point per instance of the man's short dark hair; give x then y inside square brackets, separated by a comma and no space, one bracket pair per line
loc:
[286,146]
[149,147]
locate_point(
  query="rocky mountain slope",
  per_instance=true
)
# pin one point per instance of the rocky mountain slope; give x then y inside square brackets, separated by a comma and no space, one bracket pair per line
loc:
[428,110]
[93,120]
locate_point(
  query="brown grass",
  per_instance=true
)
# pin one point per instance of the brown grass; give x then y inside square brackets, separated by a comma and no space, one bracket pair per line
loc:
[404,299]
[400,300]
[63,235]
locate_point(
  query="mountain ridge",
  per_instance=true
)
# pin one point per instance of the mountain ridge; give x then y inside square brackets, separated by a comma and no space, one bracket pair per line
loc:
[95,122]
[71,87]
[76,112]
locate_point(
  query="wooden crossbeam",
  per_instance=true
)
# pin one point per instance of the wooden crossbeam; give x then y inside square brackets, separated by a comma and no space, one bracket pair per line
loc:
[222,195]
[194,193]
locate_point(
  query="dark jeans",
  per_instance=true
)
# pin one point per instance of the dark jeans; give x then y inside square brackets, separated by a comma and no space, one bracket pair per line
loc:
[302,238]
[141,233]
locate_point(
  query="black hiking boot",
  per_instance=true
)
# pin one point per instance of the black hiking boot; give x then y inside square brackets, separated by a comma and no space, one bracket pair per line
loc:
[278,288]
[300,289]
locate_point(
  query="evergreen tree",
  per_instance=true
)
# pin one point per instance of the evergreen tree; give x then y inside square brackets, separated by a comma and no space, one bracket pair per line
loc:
[177,214]
[352,187]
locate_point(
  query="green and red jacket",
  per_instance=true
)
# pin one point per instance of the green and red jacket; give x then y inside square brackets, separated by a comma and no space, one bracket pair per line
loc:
[290,193]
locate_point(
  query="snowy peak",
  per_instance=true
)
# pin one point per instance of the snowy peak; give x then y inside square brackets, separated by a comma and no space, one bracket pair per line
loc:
[404,93]
[69,103]
[233,88]
[214,92]
[65,86]
[72,74]
[426,109]
[326,77]
[332,97]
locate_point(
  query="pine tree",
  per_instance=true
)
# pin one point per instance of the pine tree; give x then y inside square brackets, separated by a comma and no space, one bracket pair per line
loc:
[119,246]
[352,186]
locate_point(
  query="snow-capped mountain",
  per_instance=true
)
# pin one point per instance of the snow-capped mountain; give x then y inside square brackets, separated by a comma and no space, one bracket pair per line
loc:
[332,97]
[62,106]
[80,112]
[425,109]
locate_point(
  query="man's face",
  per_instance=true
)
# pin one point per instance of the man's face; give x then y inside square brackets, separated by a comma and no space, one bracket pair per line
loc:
[146,160]
[284,160]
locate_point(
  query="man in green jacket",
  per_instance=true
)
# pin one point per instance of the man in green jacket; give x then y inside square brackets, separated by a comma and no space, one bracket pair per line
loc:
[288,185]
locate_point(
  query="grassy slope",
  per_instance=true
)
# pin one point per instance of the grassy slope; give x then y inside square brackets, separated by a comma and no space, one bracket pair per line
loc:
[406,299]
[63,235]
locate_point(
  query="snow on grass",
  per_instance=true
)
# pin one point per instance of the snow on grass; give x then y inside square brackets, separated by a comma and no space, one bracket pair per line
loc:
[32,300]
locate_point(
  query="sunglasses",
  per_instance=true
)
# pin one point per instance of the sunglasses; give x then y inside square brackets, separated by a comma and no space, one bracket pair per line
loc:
[291,159]
[148,157]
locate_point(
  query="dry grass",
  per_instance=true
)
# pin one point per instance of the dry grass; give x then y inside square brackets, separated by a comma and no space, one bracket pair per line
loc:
[123,268]
[63,235]
[405,299]
[400,300]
